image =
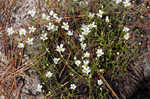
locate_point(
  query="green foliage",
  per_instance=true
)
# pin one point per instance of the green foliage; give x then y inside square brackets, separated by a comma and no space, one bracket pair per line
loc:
[107,35]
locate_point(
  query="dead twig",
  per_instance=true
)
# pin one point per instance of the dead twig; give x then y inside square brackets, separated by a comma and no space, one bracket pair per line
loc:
[108,86]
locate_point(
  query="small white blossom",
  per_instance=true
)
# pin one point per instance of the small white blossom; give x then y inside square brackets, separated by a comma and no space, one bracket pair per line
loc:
[48,74]
[47,49]
[29,41]
[126,29]
[118,1]
[75,58]
[91,15]
[50,26]
[99,82]
[99,52]
[86,62]
[82,38]
[127,3]
[86,70]
[126,36]
[73,86]
[20,45]
[32,12]
[44,37]
[78,62]
[10,31]
[86,54]
[84,27]
[118,53]
[107,19]
[51,13]
[55,16]
[65,26]
[58,19]
[140,43]
[92,25]
[45,17]
[39,88]
[83,45]
[56,60]
[70,33]
[60,48]
[86,31]
[75,0]
[22,32]
[100,13]
[55,28]
[83,66]
[32,29]
[83,3]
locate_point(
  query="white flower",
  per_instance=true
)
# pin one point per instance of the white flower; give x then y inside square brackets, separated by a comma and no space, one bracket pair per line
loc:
[82,38]
[55,28]
[45,17]
[86,54]
[50,26]
[10,31]
[107,19]
[47,49]
[29,41]
[86,62]
[126,29]
[65,26]
[118,53]
[118,1]
[86,70]
[127,3]
[91,15]
[77,62]
[39,88]
[48,74]
[84,27]
[58,19]
[83,66]
[100,13]
[22,32]
[44,37]
[70,33]
[83,45]
[99,52]
[56,60]
[86,31]
[75,0]
[20,45]
[126,36]
[32,29]
[51,13]
[60,48]
[92,25]
[75,58]
[32,12]
[73,86]
[99,82]
[55,15]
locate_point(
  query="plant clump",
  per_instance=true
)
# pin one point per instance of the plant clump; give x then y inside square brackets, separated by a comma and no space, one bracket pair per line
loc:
[81,47]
